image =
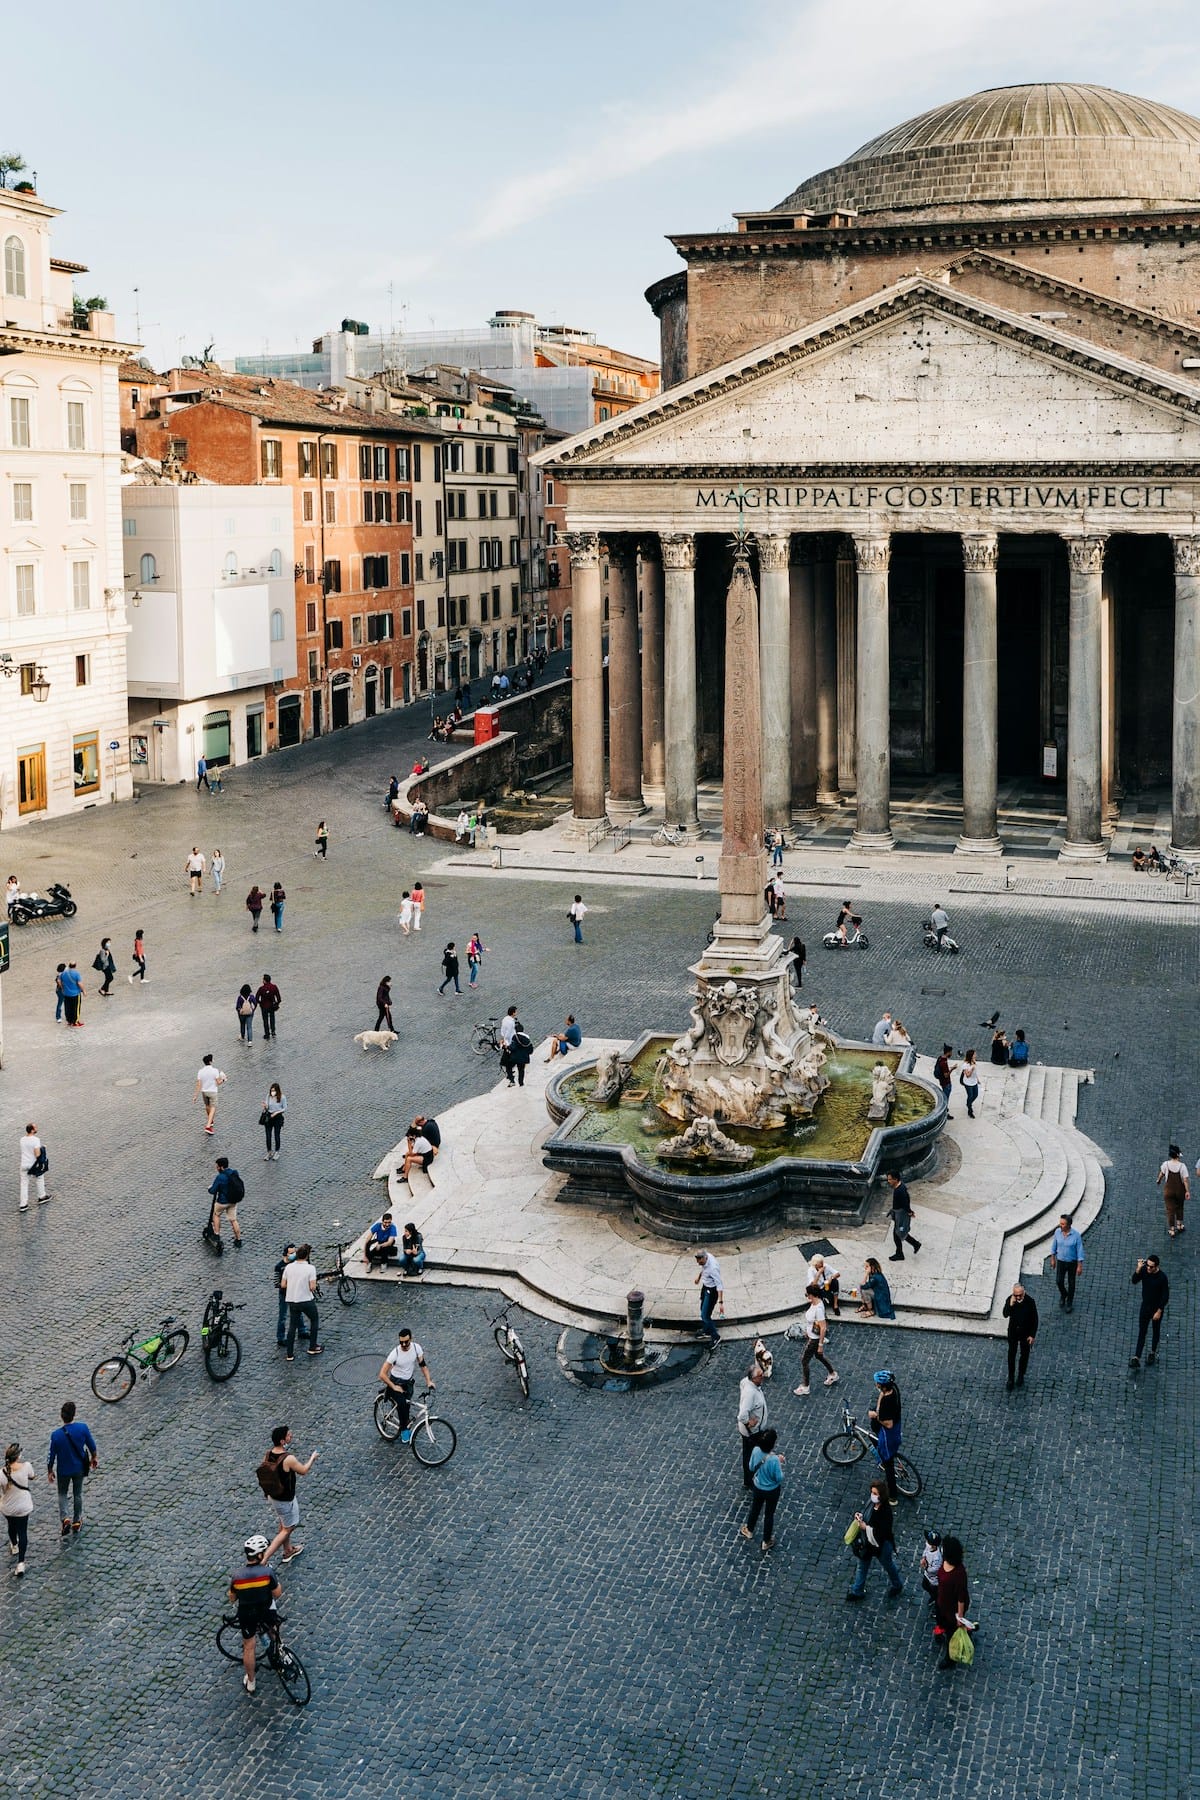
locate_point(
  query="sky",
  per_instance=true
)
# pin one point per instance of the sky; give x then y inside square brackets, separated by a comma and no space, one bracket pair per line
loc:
[259,171]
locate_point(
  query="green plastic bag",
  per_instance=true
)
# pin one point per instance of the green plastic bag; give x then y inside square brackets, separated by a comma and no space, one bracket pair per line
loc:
[852,1531]
[961,1650]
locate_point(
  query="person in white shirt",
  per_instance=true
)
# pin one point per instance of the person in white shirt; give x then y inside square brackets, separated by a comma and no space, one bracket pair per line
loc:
[752,1415]
[299,1286]
[208,1080]
[31,1149]
[399,1374]
[815,1329]
[11,892]
[508,1027]
[195,866]
[827,1280]
[577,912]
[16,1502]
[712,1293]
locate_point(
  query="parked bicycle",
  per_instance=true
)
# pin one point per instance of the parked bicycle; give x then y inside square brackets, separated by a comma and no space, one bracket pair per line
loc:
[671,834]
[222,1350]
[850,1445]
[113,1378]
[487,1037]
[347,1287]
[511,1347]
[270,1650]
[433,1440]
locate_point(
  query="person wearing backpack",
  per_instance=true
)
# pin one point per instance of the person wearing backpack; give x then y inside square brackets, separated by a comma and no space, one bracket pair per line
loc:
[277,1474]
[16,1502]
[227,1190]
[73,1450]
[246,1006]
[105,964]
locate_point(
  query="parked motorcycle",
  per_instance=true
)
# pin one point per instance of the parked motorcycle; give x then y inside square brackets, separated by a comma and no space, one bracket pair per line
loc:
[855,939]
[930,939]
[55,903]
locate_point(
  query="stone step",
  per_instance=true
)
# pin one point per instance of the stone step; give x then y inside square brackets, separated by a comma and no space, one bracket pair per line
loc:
[1051,1095]
[1069,1104]
[1035,1088]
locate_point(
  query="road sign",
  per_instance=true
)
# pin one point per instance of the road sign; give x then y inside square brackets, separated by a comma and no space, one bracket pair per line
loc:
[114,743]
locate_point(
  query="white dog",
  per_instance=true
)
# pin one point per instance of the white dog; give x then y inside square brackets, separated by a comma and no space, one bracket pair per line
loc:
[376,1040]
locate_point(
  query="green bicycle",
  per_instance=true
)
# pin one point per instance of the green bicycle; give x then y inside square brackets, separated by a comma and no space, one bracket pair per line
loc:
[115,1376]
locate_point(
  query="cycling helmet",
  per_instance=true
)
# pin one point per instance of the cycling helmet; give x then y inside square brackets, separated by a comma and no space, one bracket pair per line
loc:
[883,1378]
[257,1545]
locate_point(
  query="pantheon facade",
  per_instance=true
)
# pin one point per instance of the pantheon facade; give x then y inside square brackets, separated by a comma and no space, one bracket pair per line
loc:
[951,387]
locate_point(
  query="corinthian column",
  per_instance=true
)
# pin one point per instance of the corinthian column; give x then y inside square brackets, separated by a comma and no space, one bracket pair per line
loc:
[1185,717]
[804,675]
[1084,842]
[679,683]
[825,655]
[624,684]
[980,713]
[873,759]
[587,679]
[653,768]
[776,663]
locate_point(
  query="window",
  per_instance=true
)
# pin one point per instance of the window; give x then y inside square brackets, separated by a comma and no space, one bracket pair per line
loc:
[406,621]
[25,578]
[306,460]
[329,461]
[383,462]
[421,615]
[512,503]
[493,503]
[333,577]
[20,424]
[376,571]
[148,568]
[603,414]
[452,612]
[364,462]
[418,528]
[275,563]
[83,671]
[437,564]
[419,565]
[230,566]
[549,492]
[77,499]
[22,502]
[497,554]
[401,462]
[479,459]
[515,597]
[483,503]
[379,627]
[277,626]
[333,634]
[310,617]
[28,671]
[551,532]
[306,506]
[514,551]
[456,459]
[81,585]
[404,507]
[416,463]
[179,448]
[331,509]
[272,459]
[356,631]
[14,267]
[76,425]
[405,568]
[129,526]
[86,755]
[485,553]
[314,665]
[310,563]
[513,460]
[457,550]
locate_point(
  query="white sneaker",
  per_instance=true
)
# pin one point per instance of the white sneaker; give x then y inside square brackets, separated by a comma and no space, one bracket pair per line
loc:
[12,1550]
[20,1569]
[801,1390]
[832,1380]
[131,981]
[248,1684]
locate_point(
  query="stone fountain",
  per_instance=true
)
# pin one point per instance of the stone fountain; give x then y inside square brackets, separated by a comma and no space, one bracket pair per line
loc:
[724,1129]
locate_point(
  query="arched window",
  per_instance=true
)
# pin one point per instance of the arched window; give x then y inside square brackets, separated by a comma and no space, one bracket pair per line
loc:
[231,562]
[14,267]
[149,568]
[277,627]
[275,566]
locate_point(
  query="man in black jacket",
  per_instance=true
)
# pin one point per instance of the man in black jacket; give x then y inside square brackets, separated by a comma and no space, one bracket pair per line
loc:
[1020,1309]
[1156,1291]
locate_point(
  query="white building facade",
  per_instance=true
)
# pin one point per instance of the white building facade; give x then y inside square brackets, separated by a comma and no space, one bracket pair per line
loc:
[63,730]
[211,597]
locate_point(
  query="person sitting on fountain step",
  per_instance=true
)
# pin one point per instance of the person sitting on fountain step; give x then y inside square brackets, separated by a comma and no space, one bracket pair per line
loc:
[569,1038]
[875,1296]
[381,1246]
[828,1279]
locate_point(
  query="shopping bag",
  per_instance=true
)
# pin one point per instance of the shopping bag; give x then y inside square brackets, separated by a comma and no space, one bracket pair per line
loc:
[961,1650]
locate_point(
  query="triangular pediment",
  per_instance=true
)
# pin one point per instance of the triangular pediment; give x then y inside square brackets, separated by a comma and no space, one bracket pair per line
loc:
[919,373]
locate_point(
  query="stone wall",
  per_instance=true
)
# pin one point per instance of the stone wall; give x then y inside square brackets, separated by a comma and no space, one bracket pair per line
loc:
[535,740]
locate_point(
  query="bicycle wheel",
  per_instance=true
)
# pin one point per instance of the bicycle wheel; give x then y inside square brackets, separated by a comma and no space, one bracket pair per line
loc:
[387,1417]
[522,1371]
[501,1335]
[222,1354]
[171,1348]
[112,1379]
[229,1640]
[483,1040]
[907,1479]
[292,1674]
[347,1290]
[433,1442]
[843,1449]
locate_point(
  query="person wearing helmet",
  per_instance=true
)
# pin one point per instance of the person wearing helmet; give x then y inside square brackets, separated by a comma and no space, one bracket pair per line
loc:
[254,1589]
[931,1562]
[885,1417]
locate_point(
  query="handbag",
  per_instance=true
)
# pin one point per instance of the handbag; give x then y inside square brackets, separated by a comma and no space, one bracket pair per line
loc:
[264,1117]
[41,1163]
[961,1648]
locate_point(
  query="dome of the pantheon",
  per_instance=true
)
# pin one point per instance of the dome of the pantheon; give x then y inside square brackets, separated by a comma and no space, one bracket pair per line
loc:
[1020,151]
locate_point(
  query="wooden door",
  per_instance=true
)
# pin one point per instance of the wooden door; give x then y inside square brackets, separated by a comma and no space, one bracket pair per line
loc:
[31,779]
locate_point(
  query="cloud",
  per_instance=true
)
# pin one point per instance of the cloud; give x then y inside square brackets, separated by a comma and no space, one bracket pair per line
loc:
[828,60]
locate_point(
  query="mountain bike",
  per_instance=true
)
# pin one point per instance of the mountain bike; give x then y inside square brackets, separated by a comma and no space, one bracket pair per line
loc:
[347,1287]
[852,1442]
[433,1440]
[222,1351]
[487,1037]
[270,1649]
[511,1347]
[113,1378]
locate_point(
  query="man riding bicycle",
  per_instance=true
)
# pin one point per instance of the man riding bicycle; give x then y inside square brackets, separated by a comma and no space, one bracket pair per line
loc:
[399,1375]
[254,1590]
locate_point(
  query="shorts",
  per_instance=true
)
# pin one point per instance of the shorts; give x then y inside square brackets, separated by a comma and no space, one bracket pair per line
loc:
[287,1511]
[225,1211]
[254,1619]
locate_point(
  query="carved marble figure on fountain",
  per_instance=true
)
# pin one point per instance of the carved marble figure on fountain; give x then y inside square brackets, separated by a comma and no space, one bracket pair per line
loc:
[883,1093]
[704,1141]
[612,1072]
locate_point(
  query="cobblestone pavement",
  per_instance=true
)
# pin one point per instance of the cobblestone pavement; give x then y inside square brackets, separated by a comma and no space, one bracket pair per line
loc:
[565,1609]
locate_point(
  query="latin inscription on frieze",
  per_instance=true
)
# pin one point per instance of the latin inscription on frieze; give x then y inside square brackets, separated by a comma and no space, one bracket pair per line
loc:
[951,496]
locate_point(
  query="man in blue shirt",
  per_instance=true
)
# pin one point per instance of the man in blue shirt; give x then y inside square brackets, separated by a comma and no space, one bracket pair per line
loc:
[1066,1259]
[73,1449]
[381,1246]
[566,1040]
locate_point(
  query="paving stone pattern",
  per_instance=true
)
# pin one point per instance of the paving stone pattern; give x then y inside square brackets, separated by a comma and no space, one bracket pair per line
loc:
[566,1608]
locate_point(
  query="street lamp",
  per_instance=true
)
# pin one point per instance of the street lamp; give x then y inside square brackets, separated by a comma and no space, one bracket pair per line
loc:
[39,687]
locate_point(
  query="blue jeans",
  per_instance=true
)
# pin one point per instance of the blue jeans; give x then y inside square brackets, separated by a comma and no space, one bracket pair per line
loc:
[73,1485]
[708,1299]
[578,931]
[297,1313]
[887,1556]
[281,1323]
[277,915]
[777,856]
[413,1265]
[246,1026]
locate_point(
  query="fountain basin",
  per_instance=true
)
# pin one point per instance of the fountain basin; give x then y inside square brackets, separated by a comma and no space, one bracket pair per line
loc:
[818,1170]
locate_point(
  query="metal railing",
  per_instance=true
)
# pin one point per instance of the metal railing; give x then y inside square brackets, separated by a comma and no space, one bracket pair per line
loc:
[598,833]
[620,837]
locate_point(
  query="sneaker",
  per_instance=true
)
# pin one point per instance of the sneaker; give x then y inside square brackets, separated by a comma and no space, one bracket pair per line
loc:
[19,1570]
[853,1599]
[66,1528]
[131,981]
[237,1243]
[319,1351]
[1152,1359]
[898,1256]
[248,1683]
[803,1389]
[832,1380]
[916,1248]
[208,1131]
[292,1359]
[24,1206]
[1135,1362]
[745,1532]
[77,1525]
[768,1543]
[291,1555]
[406,1435]
[44,1198]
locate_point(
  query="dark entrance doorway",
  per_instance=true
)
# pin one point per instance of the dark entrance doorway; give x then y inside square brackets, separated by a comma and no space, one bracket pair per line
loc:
[287,722]
[948,670]
[340,705]
[1019,672]
[369,696]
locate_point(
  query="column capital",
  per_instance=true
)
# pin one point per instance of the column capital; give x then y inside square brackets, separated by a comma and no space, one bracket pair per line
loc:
[773,549]
[872,555]
[585,549]
[1187,555]
[649,549]
[1086,555]
[678,550]
[979,552]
